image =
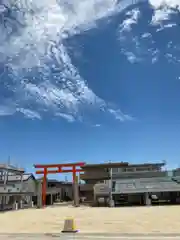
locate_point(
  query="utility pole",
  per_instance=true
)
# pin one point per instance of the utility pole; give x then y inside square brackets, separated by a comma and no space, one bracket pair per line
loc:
[9,160]
[110,185]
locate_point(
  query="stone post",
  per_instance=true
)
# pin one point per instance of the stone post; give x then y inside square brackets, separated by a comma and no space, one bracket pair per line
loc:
[15,206]
[31,204]
[76,193]
[147,199]
[39,194]
[51,201]
[21,205]
[111,203]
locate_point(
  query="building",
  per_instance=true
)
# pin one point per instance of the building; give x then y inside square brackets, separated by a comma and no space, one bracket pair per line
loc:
[96,173]
[16,187]
[129,184]
[26,180]
[56,191]
[61,190]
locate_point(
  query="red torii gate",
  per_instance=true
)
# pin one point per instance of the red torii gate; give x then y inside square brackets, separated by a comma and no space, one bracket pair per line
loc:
[59,169]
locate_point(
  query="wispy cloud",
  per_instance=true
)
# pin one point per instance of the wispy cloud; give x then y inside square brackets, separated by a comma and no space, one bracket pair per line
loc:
[67,117]
[161,15]
[121,116]
[163,10]
[28,113]
[165,3]
[37,49]
[131,18]
[6,111]
[125,34]
[138,46]
[97,125]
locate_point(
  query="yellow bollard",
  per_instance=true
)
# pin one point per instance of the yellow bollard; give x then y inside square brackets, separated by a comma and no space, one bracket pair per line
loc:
[69,226]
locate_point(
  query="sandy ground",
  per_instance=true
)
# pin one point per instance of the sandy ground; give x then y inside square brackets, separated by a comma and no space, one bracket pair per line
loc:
[160,219]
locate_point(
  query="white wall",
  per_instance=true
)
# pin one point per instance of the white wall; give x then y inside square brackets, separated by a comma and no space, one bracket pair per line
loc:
[29,186]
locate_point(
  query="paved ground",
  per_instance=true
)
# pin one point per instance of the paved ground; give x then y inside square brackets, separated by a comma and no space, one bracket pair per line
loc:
[94,236]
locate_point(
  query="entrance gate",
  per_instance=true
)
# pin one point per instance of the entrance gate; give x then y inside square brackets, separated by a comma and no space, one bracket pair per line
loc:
[59,168]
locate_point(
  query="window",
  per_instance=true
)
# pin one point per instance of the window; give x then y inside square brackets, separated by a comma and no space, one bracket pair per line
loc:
[113,186]
[124,170]
[142,169]
[130,170]
[115,170]
[120,170]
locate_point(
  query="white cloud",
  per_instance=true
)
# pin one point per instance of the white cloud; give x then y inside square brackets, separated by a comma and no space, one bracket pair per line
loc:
[121,116]
[125,34]
[146,35]
[160,3]
[137,46]
[155,55]
[97,125]
[132,18]
[131,57]
[161,15]
[163,10]
[28,113]
[37,49]
[6,110]
[169,25]
[68,117]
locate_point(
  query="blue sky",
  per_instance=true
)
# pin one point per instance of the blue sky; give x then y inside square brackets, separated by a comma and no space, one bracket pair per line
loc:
[94,87]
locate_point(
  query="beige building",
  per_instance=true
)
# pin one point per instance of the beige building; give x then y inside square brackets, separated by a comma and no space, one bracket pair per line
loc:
[129,184]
